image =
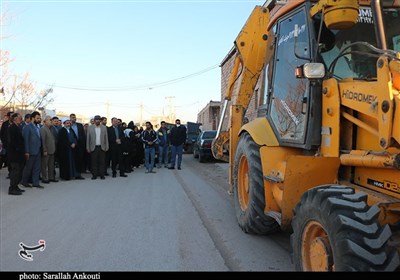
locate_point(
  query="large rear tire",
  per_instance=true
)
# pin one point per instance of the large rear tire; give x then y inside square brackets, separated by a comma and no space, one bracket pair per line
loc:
[334,229]
[249,189]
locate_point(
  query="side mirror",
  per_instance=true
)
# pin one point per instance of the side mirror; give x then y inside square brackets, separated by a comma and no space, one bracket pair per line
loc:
[310,71]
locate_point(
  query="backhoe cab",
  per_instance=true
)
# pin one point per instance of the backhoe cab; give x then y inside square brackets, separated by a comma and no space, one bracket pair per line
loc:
[322,159]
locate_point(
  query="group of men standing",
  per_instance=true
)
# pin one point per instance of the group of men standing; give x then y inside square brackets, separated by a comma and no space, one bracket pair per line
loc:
[33,148]
[23,144]
[100,140]
[163,138]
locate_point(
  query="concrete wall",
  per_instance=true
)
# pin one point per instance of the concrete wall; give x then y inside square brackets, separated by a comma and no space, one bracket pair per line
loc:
[209,116]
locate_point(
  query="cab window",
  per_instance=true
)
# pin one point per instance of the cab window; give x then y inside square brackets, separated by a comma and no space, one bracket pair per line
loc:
[288,92]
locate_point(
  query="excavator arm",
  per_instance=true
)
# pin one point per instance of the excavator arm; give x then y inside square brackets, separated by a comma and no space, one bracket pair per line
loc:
[251,53]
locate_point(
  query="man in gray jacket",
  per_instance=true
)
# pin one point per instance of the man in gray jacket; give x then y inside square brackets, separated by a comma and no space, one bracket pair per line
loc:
[97,146]
[48,151]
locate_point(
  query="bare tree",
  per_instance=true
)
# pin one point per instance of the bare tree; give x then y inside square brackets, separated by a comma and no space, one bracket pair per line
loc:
[5,57]
[289,113]
[5,60]
[18,92]
[22,95]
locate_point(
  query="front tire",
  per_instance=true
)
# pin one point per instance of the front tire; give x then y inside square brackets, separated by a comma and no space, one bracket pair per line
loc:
[249,189]
[335,229]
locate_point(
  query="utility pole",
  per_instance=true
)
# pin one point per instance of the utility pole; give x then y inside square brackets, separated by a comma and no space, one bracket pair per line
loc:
[141,113]
[108,110]
[171,109]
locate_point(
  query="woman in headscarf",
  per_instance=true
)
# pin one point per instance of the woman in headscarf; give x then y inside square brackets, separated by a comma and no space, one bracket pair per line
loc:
[138,158]
[67,151]
[127,150]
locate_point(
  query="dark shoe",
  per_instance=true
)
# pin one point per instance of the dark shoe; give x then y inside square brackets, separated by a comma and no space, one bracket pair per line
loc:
[114,175]
[152,171]
[18,189]
[45,181]
[54,181]
[14,192]
[79,178]
[179,168]
[123,175]
[27,185]
[94,177]
[106,174]
[102,177]
[38,186]
[171,167]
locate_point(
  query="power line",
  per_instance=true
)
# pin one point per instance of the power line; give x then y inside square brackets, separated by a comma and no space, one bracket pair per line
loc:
[133,88]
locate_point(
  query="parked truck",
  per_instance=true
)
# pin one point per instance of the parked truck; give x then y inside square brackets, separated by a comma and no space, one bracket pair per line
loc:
[322,159]
[192,132]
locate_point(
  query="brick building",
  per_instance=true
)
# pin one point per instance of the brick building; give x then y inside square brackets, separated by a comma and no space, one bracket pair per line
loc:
[257,98]
[209,115]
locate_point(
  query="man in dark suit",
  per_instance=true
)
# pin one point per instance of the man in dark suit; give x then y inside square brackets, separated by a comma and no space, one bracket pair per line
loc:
[103,121]
[115,135]
[15,153]
[178,137]
[33,146]
[81,147]
[27,119]
[3,137]
[55,127]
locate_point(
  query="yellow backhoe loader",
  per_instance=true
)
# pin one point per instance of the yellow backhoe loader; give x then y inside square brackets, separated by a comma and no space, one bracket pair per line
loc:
[322,158]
